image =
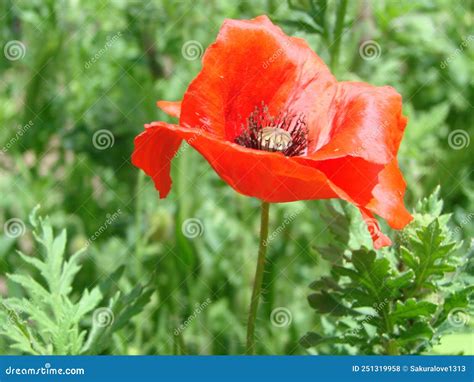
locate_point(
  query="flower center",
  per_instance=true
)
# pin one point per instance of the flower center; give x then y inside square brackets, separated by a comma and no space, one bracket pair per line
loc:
[274,139]
[287,133]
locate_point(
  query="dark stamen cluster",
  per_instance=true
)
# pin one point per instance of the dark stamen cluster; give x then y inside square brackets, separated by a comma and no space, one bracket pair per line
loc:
[289,135]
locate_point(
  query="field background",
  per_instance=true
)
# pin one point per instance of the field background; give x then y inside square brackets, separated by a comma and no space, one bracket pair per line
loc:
[88,66]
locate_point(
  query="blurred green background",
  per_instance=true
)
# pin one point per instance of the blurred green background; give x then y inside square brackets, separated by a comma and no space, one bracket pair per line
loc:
[71,69]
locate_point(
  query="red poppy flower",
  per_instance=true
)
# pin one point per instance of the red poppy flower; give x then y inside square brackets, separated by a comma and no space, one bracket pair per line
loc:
[273,122]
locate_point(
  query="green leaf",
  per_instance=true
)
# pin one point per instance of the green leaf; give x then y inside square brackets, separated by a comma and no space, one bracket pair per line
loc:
[412,309]
[122,309]
[87,303]
[31,285]
[372,272]
[458,300]
[420,330]
[56,247]
[15,319]
[362,298]
[343,271]
[402,281]
[326,283]
[37,263]
[432,205]
[301,25]
[429,255]
[324,302]
[408,258]
[110,282]
[312,339]
[338,227]
[389,296]
[363,260]
[51,318]
[69,271]
[132,304]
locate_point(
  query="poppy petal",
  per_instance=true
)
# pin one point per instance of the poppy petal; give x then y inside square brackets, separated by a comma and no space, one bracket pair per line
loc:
[388,195]
[365,121]
[373,188]
[154,150]
[356,176]
[266,67]
[269,176]
[171,108]
[380,240]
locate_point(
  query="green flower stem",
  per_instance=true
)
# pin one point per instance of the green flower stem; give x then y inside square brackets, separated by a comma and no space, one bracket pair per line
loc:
[337,34]
[138,214]
[257,284]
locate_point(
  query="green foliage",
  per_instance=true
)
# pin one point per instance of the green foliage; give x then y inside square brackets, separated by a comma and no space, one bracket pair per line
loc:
[400,302]
[49,319]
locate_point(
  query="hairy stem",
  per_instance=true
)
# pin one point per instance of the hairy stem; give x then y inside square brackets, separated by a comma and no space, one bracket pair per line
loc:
[257,284]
